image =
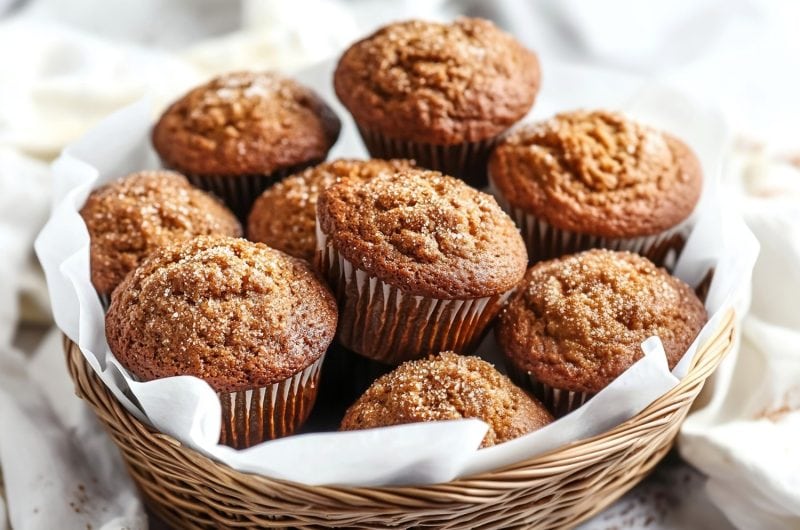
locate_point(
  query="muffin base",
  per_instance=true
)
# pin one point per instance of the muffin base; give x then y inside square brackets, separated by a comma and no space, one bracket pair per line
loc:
[559,402]
[467,161]
[544,241]
[252,416]
[240,192]
[380,322]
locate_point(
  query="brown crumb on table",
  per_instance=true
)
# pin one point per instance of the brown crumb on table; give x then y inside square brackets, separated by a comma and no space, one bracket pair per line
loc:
[790,403]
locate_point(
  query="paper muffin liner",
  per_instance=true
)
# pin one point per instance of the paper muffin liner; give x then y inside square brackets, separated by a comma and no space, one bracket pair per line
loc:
[545,241]
[239,192]
[381,322]
[467,161]
[105,300]
[558,401]
[252,416]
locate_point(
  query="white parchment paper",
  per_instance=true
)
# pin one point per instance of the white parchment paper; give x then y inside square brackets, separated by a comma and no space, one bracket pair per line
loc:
[188,409]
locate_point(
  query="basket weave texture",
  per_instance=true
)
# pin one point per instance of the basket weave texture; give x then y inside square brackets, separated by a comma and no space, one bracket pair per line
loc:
[558,489]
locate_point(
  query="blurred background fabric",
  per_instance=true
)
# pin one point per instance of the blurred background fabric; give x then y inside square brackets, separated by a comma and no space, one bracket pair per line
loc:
[65,64]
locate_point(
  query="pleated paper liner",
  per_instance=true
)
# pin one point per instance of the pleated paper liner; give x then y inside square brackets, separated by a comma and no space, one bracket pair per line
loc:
[105,300]
[466,161]
[379,321]
[544,241]
[559,402]
[252,416]
[240,192]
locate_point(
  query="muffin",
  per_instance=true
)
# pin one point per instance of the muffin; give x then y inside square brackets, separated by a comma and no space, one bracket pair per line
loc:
[284,215]
[241,132]
[420,262]
[576,323]
[437,93]
[448,387]
[597,179]
[129,218]
[249,320]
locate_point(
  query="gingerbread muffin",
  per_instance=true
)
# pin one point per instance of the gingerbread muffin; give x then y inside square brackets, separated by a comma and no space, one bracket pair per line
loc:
[129,218]
[437,93]
[284,215]
[243,131]
[597,179]
[448,387]
[420,262]
[249,320]
[576,323]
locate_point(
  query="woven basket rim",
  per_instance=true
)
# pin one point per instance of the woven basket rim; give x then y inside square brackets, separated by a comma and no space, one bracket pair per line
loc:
[704,363]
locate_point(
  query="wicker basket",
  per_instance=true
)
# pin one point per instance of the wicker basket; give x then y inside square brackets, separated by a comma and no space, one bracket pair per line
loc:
[555,490]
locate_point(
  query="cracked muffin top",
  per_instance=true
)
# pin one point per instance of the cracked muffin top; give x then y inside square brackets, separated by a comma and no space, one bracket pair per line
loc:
[598,173]
[448,386]
[284,216]
[425,233]
[577,322]
[236,314]
[438,83]
[129,218]
[245,123]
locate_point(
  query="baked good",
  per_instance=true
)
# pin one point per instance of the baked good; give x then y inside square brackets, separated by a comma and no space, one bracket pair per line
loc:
[448,386]
[588,179]
[420,262]
[437,93]
[577,322]
[129,218]
[249,320]
[284,215]
[243,131]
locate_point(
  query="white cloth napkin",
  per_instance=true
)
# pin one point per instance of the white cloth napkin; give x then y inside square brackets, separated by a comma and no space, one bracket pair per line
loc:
[59,469]
[747,437]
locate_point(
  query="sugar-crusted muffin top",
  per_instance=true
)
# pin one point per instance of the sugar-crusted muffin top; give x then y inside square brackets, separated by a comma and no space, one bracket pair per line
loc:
[237,314]
[284,216]
[577,322]
[448,387]
[425,233]
[438,83]
[598,172]
[129,218]
[245,123]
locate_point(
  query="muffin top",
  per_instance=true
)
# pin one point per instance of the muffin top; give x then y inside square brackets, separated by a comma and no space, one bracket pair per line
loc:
[578,322]
[129,218]
[598,173]
[425,233]
[245,123]
[237,314]
[448,387]
[284,216]
[438,83]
